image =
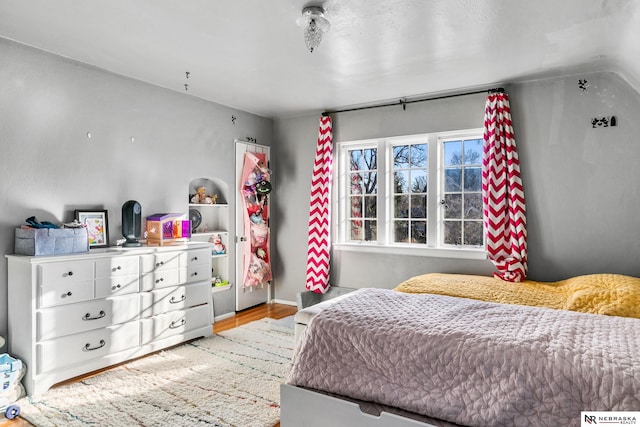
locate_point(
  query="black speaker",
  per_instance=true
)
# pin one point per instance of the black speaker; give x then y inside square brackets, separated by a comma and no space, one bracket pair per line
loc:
[131,223]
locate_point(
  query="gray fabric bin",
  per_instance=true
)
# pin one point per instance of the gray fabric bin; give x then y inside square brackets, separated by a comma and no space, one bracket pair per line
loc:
[51,241]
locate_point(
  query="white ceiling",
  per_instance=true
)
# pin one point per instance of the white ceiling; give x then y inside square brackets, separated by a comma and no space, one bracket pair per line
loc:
[250,54]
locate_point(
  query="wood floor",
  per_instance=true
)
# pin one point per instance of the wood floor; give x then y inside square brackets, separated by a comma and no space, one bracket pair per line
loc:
[274,311]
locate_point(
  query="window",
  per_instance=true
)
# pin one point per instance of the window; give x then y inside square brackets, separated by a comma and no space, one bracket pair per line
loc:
[419,193]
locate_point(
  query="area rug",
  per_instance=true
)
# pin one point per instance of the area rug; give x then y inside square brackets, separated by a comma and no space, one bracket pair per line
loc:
[229,379]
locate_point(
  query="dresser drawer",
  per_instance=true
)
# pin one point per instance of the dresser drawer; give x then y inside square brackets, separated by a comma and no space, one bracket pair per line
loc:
[78,348]
[161,261]
[120,266]
[59,273]
[52,295]
[73,318]
[178,298]
[196,257]
[197,273]
[117,285]
[163,278]
[175,323]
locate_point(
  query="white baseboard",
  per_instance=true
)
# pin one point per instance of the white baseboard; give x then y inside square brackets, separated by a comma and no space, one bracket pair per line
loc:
[282,301]
[224,316]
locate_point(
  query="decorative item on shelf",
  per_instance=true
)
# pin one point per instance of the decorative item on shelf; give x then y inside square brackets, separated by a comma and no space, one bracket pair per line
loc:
[167,228]
[218,246]
[202,198]
[217,282]
[97,226]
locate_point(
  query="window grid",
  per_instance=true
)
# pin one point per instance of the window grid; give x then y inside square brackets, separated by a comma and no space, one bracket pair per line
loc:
[410,193]
[461,200]
[362,201]
[427,201]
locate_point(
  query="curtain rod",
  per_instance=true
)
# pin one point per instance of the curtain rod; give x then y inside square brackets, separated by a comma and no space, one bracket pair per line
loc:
[404,102]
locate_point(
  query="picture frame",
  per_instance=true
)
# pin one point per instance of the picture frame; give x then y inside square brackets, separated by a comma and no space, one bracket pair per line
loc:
[97,224]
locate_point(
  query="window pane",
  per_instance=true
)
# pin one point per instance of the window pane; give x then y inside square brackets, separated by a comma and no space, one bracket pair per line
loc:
[370,231]
[473,233]
[370,210]
[356,160]
[401,181]
[418,181]
[356,230]
[370,182]
[356,184]
[418,206]
[453,153]
[473,206]
[419,156]
[453,179]
[370,159]
[472,179]
[401,231]
[453,206]
[452,232]
[473,152]
[401,157]
[418,232]
[355,203]
[401,207]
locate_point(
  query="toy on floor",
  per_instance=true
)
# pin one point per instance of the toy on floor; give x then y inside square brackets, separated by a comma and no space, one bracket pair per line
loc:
[11,372]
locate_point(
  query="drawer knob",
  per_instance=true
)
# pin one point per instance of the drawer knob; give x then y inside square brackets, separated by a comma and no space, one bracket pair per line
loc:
[195,273]
[195,258]
[99,316]
[158,264]
[87,346]
[160,280]
[177,323]
[173,300]
[118,286]
[67,294]
[70,273]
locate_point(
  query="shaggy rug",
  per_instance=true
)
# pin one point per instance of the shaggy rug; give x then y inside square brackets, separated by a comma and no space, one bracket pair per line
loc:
[229,379]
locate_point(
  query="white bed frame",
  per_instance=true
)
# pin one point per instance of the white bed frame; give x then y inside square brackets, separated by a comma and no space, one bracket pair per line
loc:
[300,407]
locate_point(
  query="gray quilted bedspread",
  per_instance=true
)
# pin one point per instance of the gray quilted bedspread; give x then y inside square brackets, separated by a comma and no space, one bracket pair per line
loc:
[470,362]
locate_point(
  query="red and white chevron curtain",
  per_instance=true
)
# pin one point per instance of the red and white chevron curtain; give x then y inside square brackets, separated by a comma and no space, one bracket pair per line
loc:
[502,194]
[318,248]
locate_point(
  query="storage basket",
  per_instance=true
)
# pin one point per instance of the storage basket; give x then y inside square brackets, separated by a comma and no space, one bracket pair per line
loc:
[51,241]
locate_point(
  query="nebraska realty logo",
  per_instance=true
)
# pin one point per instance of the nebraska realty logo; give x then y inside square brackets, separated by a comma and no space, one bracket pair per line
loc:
[610,418]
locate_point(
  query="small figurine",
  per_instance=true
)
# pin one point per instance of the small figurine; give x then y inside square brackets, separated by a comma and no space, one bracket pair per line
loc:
[202,198]
[218,246]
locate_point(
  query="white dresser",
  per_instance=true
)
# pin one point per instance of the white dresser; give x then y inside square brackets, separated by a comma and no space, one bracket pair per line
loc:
[73,314]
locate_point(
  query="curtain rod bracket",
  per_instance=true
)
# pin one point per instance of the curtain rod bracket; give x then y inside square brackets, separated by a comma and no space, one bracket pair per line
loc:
[496,90]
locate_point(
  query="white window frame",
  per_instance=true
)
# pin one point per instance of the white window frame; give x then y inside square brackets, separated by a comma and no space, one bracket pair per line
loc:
[384,243]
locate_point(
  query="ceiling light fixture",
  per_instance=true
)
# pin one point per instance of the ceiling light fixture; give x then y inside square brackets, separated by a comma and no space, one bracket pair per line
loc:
[315,25]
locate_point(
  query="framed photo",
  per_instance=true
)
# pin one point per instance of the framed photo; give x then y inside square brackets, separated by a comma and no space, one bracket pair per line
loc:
[97,227]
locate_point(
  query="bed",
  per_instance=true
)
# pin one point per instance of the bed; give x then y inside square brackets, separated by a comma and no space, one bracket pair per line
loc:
[417,356]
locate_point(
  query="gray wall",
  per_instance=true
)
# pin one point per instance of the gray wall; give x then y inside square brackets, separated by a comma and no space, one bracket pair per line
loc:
[48,166]
[581,184]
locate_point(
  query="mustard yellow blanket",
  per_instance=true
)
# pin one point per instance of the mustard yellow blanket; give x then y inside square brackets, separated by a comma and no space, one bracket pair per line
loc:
[609,294]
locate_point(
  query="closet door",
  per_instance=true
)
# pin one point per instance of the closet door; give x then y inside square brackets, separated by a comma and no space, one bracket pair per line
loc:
[248,293]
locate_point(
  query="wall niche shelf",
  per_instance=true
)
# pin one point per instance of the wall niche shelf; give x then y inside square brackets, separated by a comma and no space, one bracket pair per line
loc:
[210,223]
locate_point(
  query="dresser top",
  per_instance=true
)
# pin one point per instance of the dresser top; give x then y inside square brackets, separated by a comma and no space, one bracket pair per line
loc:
[110,252]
